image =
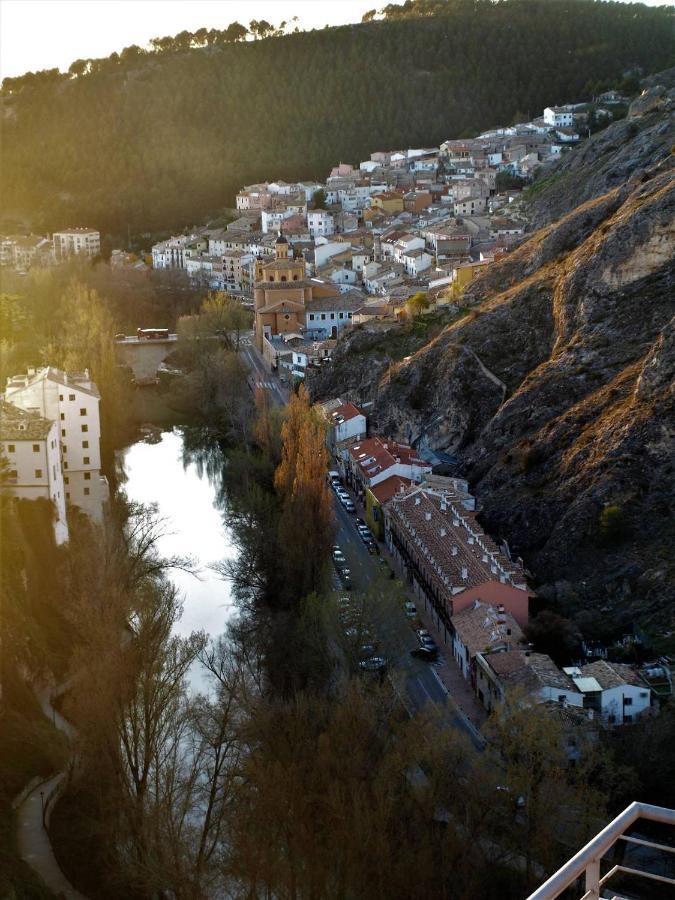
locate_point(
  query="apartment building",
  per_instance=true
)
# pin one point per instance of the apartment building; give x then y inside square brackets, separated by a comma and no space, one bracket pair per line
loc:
[432,531]
[72,401]
[29,443]
[76,242]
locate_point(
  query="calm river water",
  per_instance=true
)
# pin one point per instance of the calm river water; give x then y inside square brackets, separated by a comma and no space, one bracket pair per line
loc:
[185,487]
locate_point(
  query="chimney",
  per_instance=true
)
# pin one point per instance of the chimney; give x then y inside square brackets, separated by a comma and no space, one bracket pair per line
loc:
[465,573]
[427,516]
[455,522]
[471,539]
[485,557]
[455,550]
[443,532]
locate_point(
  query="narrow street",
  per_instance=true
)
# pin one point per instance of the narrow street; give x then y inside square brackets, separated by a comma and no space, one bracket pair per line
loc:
[438,683]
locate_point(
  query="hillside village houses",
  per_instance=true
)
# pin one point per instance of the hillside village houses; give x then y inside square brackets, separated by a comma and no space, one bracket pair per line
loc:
[24,252]
[400,222]
[70,401]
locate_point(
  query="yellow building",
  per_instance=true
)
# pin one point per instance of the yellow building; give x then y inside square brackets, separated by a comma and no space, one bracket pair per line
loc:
[281,293]
[388,202]
[464,275]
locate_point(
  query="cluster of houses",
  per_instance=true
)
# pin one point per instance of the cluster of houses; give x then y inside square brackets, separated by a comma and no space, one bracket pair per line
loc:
[23,252]
[371,236]
[477,592]
[50,434]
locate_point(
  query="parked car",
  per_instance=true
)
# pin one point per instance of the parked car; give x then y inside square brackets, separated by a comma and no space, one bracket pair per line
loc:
[333,477]
[426,653]
[349,506]
[426,640]
[338,556]
[373,664]
[410,609]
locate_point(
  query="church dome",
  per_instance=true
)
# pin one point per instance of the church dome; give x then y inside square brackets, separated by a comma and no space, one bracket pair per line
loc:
[281,239]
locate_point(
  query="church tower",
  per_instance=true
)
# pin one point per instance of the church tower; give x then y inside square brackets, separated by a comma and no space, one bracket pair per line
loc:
[281,247]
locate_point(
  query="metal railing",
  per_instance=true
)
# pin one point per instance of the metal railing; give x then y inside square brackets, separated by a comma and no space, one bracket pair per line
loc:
[588,860]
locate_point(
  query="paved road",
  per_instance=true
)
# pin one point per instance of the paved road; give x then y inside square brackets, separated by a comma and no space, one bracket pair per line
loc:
[260,376]
[419,680]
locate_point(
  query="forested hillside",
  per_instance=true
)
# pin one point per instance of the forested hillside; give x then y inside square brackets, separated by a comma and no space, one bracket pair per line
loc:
[160,139]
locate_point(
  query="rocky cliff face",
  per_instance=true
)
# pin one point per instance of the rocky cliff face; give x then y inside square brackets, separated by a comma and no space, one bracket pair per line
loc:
[556,391]
[612,156]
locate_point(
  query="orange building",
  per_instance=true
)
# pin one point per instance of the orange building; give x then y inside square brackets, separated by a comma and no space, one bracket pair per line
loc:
[281,293]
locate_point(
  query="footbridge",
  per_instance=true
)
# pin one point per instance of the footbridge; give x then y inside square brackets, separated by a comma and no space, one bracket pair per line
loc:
[144,355]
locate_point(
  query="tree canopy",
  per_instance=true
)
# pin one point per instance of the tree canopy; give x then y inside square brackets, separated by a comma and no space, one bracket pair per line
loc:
[162,137]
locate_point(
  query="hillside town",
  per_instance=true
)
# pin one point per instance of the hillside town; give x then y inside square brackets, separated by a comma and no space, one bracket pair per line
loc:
[403,233]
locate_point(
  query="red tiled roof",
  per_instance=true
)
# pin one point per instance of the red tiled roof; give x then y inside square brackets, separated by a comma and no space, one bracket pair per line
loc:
[390,486]
[375,455]
[347,411]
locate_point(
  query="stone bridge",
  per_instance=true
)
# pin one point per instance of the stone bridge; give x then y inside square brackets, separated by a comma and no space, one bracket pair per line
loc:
[144,356]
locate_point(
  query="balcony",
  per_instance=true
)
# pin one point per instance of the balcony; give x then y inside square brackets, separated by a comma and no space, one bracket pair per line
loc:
[658,859]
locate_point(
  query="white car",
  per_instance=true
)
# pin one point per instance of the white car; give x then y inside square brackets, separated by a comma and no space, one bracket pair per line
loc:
[410,609]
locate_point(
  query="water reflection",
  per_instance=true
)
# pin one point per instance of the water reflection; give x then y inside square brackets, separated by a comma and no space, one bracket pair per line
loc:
[182,474]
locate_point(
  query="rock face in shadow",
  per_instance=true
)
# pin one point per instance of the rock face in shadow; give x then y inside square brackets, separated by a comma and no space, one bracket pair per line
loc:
[556,392]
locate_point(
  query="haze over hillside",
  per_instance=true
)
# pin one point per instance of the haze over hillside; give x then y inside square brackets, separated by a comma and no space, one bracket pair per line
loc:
[160,140]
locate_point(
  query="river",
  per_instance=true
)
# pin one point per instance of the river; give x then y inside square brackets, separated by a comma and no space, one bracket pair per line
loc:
[185,487]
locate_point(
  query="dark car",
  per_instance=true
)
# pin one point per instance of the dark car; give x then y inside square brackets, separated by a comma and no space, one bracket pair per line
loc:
[373,664]
[428,654]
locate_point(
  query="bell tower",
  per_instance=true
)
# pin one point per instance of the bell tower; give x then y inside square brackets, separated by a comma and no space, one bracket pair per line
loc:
[281,247]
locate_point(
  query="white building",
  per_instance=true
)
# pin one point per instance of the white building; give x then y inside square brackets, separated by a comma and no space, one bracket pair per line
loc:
[320,223]
[72,401]
[558,117]
[171,254]
[271,219]
[416,261]
[30,445]
[613,690]
[346,423]
[325,317]
[76,242]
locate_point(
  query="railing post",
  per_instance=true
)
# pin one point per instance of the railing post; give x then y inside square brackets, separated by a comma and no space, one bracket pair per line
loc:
[593,880]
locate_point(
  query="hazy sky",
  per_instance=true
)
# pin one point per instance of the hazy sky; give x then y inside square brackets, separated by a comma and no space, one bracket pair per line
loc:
[42,34]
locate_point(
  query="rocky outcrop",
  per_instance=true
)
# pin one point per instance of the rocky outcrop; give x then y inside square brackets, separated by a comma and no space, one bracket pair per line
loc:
[556,392]
[612,157]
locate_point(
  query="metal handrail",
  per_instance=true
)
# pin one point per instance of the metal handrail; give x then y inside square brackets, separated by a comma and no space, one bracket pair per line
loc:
[587,860]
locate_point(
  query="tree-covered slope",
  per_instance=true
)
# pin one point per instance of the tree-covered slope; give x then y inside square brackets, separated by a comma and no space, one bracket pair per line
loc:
[161,139]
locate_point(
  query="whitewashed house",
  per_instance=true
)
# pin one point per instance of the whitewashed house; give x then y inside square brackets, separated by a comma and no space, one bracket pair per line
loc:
[76,242]
[558,117]
[320,223]
[72,401]
[29,444]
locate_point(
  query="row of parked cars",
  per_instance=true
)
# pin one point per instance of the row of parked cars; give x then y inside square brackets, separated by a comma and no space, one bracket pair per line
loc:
[361,634]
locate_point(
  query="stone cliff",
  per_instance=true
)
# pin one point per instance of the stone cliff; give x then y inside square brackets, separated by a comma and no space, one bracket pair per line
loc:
[556,392]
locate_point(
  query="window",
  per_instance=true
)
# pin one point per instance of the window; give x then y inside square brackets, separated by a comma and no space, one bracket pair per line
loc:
[66,480]
[323,316]
[63,416]
[561,698]
[628,718]
[11,448]
[627,701]
[64,448]
[38,473]
[85,445]
[84,427]
[36,448]
[87,476]
[67,495]
[86,492]
[311,317]
[283,278]
[83,411]
[85,460]
[63,432]
[71,396]
[295,278]
[65,464]
[61,397]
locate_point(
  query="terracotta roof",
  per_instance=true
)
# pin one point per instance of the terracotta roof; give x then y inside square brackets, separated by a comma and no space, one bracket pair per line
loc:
[347,411]
[18,425]
[447,536]
[386,489]
[375,455]
[611,674]
[483,628]
[339,302]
